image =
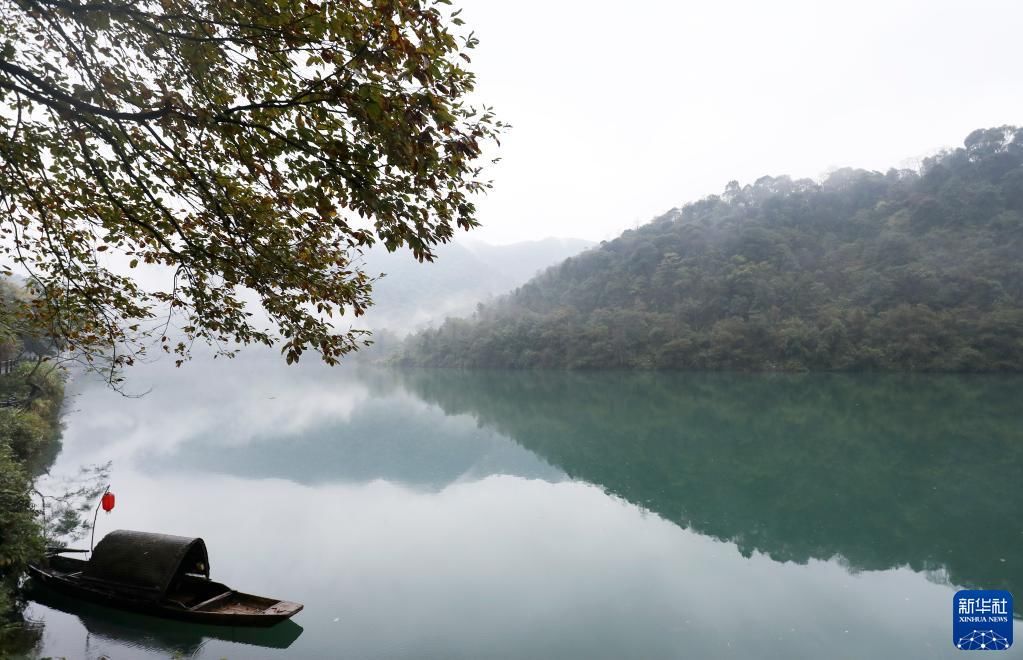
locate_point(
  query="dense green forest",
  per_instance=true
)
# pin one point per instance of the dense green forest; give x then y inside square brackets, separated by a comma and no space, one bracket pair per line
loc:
[906,270]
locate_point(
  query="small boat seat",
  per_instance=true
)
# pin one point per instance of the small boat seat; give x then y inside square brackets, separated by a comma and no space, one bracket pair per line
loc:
[210,601]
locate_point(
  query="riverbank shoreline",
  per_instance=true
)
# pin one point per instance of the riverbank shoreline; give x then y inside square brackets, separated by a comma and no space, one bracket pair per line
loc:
[32,396]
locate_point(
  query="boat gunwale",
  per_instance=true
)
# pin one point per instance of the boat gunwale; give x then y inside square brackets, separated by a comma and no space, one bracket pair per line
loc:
[92,590]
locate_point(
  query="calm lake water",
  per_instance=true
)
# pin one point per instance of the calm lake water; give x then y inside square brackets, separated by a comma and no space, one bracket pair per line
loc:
[442,514]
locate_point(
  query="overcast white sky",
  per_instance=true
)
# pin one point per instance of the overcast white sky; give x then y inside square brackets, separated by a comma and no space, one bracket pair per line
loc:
[622,110]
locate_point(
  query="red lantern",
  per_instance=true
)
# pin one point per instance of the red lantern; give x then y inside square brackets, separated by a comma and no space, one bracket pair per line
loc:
[108,501]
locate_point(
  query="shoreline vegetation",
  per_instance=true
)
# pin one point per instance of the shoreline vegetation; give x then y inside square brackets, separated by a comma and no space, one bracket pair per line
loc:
[29,441]
[31,398]
[907,270]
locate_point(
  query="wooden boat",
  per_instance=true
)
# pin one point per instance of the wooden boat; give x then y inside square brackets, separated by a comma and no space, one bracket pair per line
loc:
[163,637]
[158,574]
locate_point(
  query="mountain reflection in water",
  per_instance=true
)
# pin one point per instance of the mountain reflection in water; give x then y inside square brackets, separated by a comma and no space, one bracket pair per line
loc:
[575,515]
[881,470]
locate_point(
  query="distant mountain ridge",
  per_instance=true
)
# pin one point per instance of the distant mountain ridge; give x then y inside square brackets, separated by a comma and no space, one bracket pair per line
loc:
[905,270]
[413,294]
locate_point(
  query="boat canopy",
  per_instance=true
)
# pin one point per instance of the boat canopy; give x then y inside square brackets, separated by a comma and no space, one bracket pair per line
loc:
[147,563]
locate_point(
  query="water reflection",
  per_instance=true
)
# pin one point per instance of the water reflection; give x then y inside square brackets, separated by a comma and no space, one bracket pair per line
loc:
[509,567]
[881,470]
[431,514]
[255,417]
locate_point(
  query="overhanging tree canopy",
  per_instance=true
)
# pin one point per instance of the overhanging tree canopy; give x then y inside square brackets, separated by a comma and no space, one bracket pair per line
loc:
[245,144]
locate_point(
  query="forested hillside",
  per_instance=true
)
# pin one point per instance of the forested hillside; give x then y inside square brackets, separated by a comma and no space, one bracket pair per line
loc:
[904,270]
